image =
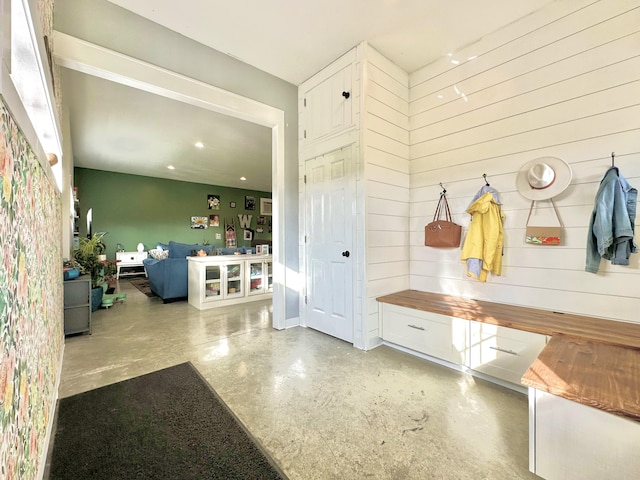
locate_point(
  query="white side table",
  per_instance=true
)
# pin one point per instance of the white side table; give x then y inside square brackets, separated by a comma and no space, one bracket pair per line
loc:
[128,260]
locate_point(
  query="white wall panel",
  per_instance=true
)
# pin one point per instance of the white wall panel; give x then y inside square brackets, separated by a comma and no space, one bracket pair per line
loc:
[564,82]
[386,145]
[385,159]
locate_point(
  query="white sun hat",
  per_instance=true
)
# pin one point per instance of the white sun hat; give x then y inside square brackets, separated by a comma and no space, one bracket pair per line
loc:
[543,178]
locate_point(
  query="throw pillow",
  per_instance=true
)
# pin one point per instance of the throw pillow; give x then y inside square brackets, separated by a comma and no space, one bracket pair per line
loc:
[159,254]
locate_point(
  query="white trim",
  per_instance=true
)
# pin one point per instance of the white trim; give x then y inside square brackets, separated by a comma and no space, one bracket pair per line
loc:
[76,54]
[293,322]
[42,466]
[9,93]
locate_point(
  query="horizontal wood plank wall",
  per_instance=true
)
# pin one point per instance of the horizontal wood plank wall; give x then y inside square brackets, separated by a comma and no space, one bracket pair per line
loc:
[563,82]
[385,143]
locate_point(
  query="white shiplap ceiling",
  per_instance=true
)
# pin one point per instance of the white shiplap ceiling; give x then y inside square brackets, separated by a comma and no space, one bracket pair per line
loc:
[290,39]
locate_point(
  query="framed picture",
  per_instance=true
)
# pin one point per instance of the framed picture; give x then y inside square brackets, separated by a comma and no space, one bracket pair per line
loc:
[214,220]
[199,222]
[261,220]
[248,235]
[213,202]
[232,204]
[249,202]
[266,206]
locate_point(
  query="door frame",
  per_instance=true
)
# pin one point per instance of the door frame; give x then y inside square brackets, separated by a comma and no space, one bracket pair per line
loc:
[85,57]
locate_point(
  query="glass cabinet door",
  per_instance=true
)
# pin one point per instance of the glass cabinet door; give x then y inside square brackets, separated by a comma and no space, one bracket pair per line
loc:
[269,267]
[235,279]
[256,277]
[212,282]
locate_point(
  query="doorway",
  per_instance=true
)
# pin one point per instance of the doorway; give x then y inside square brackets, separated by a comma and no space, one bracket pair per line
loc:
[95,60]
[329,212]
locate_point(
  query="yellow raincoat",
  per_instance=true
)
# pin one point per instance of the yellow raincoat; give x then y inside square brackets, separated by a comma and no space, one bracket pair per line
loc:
[482,249]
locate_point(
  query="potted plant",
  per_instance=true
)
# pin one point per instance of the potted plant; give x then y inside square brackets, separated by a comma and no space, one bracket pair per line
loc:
[109,273]
[87,256]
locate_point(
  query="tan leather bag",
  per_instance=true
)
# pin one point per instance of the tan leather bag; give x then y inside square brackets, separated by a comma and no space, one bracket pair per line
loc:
[442,233]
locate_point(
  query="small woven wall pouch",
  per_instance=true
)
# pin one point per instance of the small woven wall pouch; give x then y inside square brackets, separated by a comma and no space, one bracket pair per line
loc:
[544,235]
[442,233]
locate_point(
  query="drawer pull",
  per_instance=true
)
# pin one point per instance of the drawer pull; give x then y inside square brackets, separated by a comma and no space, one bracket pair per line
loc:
[504,350]
[416,327]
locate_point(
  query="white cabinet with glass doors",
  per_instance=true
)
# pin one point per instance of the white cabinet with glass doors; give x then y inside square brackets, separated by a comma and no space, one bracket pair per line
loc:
[215,281]
[259,276]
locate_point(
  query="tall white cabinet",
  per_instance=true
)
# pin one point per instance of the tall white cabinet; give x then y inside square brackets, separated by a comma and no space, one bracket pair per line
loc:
[361,101]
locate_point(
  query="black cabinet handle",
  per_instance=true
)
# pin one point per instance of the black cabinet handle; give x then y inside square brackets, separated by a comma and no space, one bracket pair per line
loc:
[346,94]
[346,253]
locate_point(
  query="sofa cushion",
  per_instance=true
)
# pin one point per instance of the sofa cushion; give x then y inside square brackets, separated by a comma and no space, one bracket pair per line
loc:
[183,250]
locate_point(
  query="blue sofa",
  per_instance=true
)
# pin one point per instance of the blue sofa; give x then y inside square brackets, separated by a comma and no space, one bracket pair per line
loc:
[168,278]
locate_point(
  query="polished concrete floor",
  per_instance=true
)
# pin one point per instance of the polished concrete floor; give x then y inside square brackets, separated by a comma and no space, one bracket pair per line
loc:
[323,409]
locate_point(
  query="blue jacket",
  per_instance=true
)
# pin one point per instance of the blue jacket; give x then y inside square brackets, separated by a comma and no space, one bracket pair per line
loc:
[612,222]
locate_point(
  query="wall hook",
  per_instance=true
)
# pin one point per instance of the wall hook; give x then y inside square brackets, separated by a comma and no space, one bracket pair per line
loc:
[484,175]
[613,159]
[444,190]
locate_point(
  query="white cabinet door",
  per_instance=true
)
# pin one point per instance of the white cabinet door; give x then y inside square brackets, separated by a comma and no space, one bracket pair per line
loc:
[256,274]
[269,276]
[233,279]
[328,105]
[502,352]
[212,282]
[575,441]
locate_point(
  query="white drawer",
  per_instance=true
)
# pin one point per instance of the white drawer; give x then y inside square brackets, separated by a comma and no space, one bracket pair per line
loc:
[430,333]
[502,352]
[131,257]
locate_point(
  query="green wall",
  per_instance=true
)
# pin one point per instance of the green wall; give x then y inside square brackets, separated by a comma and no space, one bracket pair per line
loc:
[133,209]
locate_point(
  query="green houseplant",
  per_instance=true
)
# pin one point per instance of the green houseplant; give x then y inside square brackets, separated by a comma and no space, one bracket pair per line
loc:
[86,255]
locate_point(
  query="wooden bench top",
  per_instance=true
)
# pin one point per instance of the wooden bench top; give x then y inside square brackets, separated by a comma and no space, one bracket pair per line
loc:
[593,361]
[595,374]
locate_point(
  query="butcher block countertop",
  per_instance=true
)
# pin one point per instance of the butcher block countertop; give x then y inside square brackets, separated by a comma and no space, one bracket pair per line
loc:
[589,360]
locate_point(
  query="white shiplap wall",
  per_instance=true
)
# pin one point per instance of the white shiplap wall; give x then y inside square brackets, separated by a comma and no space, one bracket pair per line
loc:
[564,82]
[385,149]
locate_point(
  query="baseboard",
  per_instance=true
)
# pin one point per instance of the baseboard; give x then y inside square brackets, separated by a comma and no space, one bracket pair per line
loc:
[292,322]
[44,456]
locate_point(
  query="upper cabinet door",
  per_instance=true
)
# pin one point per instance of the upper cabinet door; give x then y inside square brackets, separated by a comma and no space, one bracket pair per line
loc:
[329,105]
[328,100]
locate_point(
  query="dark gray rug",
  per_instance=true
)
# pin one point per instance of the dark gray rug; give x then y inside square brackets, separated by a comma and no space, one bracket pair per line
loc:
[142,284]
[169,424]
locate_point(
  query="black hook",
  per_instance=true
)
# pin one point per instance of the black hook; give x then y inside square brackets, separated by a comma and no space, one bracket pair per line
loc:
[613,159]
[346,94]
[444,190]
[484,175]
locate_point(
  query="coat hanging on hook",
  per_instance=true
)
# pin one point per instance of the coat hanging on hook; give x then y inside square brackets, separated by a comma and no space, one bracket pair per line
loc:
[612,223]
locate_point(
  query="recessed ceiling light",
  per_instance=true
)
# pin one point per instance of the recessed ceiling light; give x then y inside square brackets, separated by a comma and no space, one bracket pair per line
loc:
[199,144]
[243,178]
[171,167]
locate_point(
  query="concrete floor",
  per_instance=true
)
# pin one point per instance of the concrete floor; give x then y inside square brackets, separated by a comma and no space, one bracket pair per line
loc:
[323,409]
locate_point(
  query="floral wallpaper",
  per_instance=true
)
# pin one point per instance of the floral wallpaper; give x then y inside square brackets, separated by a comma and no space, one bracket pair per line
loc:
[31,310]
